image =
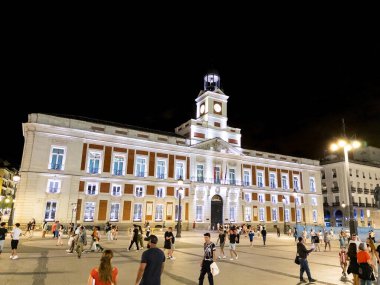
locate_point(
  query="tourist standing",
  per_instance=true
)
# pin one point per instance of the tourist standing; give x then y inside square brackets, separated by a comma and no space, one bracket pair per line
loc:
[251,234]
[15,234]
[264,234]
[365,263]
[44,229]
[326,240]
[278,231]
[3,233]
[82,241]
[208,258]
[105,274]
[152,264]
[222,240]
[169,243]
[60,235]
[353,267]
[304,265]
[232,238]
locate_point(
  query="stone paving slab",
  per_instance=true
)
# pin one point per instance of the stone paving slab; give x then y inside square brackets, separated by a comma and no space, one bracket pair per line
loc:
[41,262]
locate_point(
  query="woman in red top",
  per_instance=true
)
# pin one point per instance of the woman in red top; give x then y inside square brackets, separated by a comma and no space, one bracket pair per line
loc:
[365,264]
[105,274]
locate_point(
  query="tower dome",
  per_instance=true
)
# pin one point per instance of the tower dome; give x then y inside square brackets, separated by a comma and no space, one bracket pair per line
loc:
[211,81]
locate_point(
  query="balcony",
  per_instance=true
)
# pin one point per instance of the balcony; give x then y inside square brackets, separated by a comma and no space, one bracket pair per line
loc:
[326,204]
[335,204]
[117,172]
[335,189]
[360,190]
[361,204]
[93,170]
[366,191]
[141,174]
[161,176]
[56,166]
[201,179]
[324,191]
[372,191]
[353,190]
[368,205]
[355,204]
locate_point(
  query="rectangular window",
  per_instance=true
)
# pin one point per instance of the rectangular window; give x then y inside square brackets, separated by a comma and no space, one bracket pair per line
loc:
[261,198]
[274,214]
[116,190]
[274,199]
[94,162]
[179,170]
[314,201]
[272,180]
[89,211]
[54,186]
[139,191]
[57,158]
[50,209]
[232,214]
[176,213]
[284,181]
[298,214]
[286,215]
[231,176]
[312,184]
[261,215]
[159,213]
[260,179]
[137,212]
[118,165]
[286,200]
[115,209]
[247,197]
[217,175]
[92,188]
[247,178]
[161,169]
[200,173]
[140,167]
[296,183]
[248,214]
[315,216]
[199,213]
[160,192]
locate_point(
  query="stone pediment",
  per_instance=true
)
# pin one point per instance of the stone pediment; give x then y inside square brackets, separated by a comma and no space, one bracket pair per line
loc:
[218,145]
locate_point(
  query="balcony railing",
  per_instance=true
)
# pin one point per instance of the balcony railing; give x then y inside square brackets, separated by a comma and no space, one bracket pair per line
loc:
[372,191]
[56,166]
[201,179]
[353,190]
[93,170]
[53,189]
[141,174]
[336,204]
[324,191]
[366,191]
[360,190]
[355,204]
[361,204]
[118,172]
[161,176]
[335,189]
[368,205]
[326,204]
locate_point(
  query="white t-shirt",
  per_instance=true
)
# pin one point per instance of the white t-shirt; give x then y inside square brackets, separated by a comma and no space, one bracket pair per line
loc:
[16,233]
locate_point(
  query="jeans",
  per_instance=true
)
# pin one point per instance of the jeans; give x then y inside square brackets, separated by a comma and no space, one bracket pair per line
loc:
[206,269]
[304,266]
[365,282]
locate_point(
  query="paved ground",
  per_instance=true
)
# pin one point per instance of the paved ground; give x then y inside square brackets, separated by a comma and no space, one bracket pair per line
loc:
[41,262]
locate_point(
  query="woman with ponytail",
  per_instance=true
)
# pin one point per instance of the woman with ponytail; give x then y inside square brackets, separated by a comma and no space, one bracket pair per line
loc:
[105,274]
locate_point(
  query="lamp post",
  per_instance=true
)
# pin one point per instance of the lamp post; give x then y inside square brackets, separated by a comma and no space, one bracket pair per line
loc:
[16,179]
[73,209]
[180,190]
[344,218]
[347,146]
[295,194]
[284,202]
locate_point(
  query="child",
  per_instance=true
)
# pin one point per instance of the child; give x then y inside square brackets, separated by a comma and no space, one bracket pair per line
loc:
[343,260]
[251,234]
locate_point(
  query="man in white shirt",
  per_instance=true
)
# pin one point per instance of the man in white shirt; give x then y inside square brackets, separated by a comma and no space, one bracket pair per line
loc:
[15,234]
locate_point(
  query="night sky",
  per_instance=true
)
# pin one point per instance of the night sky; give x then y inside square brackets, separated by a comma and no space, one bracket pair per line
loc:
[298,90]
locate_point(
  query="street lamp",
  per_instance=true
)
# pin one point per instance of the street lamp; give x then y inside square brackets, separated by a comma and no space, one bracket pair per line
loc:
[73,209]
[16,179]
[295,194]
[347,146]
[284,202]
[180,192]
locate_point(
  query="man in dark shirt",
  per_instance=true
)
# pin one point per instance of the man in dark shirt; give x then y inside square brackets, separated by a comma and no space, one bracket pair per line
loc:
[134,238]
[152,264]
[3,233]
[208,258]
[264,234]
[232,238]
[304,265]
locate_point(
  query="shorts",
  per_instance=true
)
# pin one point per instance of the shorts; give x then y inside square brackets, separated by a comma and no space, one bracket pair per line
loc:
[14,243]
[1,245]
[233,246]
[222,245]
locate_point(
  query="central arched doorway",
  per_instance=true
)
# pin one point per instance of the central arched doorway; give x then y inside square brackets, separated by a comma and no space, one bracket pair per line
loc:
[216,211]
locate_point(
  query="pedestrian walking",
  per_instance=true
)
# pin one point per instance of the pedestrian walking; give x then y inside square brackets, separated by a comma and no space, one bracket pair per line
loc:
[152,264]
[105,274]
[134,238]
[60,235]
[15,234]
[264,235]
[208,258]
[278,232]
[295,234]
[3,234]
[232,238]
[343,260]
[82,241]
[365,266]
[304,265]
[169,242]
[222,240]
[251,235]
[326,240]
[353,267]
[44,228]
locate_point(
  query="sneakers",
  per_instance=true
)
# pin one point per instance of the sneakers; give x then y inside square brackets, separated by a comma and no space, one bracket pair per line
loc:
[224,257]
[11,257]
[231,258]
[303,280]
[219,257]
[312,280]
[172,258]
[236,257]
[15,257]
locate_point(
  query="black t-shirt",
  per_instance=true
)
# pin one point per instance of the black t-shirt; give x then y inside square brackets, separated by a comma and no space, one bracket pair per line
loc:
[264,233]
[233,238]
[153,257]
[222,237]
[169,234]
[209,249]
[3,232]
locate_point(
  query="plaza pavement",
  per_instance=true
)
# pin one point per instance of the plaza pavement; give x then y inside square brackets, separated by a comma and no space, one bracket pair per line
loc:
[41,262]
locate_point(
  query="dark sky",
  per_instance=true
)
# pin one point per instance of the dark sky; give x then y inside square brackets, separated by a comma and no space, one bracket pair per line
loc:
[287,95]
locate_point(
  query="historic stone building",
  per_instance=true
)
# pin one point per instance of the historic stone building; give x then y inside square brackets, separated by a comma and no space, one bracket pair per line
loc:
[92,171]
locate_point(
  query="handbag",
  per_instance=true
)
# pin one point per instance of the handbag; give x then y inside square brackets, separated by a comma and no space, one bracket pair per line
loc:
[214,269]
[297,260]
[366,272]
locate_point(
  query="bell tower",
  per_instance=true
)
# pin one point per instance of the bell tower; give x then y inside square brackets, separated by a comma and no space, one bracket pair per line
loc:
[211,117]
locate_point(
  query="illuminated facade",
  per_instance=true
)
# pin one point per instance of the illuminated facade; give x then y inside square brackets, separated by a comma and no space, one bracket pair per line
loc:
[93,172]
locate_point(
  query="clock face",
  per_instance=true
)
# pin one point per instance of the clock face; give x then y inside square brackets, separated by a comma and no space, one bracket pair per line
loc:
[217,108]
[202,109]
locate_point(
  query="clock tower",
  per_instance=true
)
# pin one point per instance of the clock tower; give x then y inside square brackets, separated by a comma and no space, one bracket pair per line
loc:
[211,117]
